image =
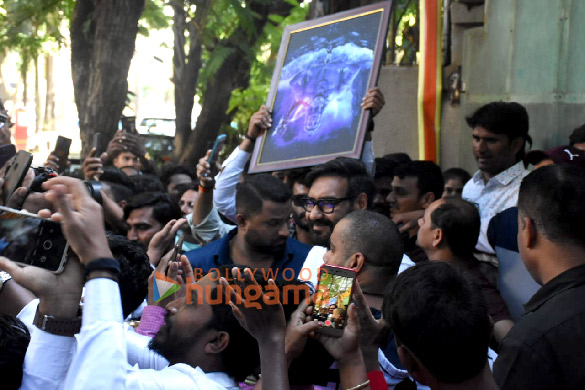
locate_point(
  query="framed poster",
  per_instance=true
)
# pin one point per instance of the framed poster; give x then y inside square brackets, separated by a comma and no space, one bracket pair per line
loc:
[324,68]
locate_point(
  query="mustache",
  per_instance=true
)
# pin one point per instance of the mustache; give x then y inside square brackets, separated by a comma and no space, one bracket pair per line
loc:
[321,222]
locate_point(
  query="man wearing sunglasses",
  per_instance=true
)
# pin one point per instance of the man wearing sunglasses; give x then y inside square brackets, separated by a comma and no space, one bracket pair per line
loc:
[337,188]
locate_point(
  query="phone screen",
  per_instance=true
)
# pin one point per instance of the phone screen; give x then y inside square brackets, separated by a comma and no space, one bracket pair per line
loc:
[31,240]
[333,296]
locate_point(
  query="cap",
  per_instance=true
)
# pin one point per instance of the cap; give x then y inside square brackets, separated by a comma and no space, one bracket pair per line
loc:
[566,154]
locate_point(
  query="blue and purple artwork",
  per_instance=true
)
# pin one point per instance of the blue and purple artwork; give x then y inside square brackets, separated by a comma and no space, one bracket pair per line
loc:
[325,75]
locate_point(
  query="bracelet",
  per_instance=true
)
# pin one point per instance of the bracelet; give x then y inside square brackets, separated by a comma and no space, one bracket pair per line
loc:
[103,263]
[250,138]
[361,386]
[205,189]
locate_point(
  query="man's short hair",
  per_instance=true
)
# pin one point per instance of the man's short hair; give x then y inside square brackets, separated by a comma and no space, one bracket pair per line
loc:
[398,158]
[256,189]
[163,208]
[508,118]
[297,175]
[441,318]
[184,187]
[351,169]
[384,168]
[14,339]
[120,184]
[578,135]
[428,174]
[171,169]
[459,220]
[553,197]
[147,183]
[376,237]
[456,174]
[135,270]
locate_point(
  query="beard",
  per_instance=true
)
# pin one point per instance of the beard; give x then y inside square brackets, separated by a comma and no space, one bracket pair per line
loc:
[300,220]
[321,237]
[169,346]
[261,245]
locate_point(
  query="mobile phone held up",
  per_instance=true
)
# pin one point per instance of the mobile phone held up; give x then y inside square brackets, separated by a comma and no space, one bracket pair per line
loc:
[16,173]
[28,239]
[97,144]
[217,145]
[62,152]
[332,298]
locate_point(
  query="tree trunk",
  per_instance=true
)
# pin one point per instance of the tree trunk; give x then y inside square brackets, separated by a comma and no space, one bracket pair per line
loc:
[103,35]
[186,68]
[23,75]
[37,97]
[233,73]
[49,117]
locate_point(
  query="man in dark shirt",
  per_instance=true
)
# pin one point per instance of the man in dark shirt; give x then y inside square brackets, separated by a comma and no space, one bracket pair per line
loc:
[415,186]
[544,350]
[261,239]
[448,232]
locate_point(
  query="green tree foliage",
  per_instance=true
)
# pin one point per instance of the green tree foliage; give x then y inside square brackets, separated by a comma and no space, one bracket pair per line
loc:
[244,102]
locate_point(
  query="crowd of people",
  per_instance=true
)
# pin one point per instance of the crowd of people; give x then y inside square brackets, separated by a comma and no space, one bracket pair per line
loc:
[432,304]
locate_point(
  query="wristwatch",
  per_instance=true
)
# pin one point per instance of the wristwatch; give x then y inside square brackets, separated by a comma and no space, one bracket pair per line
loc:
[4,277]
[58,326]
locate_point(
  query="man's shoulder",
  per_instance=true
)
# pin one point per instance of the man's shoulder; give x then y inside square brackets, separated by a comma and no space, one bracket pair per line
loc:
[559,321]
[296,246]
[207,252]
[542,350]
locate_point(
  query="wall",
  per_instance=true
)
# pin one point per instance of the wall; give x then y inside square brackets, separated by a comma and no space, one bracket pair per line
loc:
[529,51]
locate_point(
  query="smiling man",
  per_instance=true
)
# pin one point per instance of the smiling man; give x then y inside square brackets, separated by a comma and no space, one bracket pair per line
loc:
[336,188]
[500,133]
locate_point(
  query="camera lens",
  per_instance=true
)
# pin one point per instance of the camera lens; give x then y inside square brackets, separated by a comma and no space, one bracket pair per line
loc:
[48,244]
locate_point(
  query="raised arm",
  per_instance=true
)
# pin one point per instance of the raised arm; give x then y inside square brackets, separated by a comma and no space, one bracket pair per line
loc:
[227,180]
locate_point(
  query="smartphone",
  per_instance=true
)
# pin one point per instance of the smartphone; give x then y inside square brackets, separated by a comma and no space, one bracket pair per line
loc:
[16,173]
[178,247]
[97,144]
[219,141]
[332,298]
[62,152]
[28,239]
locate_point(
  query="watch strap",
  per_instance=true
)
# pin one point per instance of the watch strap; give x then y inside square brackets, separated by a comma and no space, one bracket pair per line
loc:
[58,326]
[103,263]
[4,277]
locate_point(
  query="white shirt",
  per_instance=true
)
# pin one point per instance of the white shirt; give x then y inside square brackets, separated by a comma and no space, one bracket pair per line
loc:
[498,194]
[101,358]
[224,195]
[211,228]
[314,261]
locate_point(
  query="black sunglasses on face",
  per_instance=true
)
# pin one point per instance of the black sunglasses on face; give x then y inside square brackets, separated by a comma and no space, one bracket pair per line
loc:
[326,206]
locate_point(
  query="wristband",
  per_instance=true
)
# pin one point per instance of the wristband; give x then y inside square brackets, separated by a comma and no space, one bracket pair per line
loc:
[250,138]
[205,189]
[103,263]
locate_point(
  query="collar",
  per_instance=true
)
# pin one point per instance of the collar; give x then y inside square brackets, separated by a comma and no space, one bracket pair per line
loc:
[223,256]
[222,378]
[567,280]
[504,177]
